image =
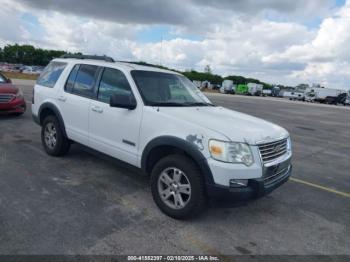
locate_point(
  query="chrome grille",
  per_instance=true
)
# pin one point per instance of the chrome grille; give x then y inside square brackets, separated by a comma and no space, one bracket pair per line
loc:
[4,98]
[276,176]
[271,151]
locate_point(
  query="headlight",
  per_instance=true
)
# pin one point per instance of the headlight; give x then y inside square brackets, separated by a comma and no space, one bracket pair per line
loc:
[231,152]
[19,94]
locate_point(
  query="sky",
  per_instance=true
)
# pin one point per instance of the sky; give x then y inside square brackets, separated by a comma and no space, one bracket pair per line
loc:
[276,41]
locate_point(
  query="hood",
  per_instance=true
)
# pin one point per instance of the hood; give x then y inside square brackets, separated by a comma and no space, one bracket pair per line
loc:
[235,126]
[8,89]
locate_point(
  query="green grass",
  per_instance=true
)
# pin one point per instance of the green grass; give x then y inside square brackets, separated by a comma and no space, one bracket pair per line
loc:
[13,75]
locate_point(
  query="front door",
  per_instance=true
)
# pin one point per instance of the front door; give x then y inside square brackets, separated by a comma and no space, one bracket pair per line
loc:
[114,131]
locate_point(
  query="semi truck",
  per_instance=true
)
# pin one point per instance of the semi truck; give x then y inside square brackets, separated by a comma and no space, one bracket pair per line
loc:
[275,91]
[242,89]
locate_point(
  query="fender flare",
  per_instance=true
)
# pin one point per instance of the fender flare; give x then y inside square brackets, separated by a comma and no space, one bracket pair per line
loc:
[183,145]
[57,113]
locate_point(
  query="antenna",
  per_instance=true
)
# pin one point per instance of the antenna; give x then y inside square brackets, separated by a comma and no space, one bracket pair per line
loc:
[161,50]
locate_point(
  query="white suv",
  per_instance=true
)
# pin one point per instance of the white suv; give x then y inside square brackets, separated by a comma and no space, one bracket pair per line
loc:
[158,121]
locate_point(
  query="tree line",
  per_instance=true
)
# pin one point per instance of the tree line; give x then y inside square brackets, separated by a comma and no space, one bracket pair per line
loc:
[207,75]
[30,55]
[217,79]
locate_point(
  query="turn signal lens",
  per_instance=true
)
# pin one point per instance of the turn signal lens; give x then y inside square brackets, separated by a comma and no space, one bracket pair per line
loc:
[231,152]
[216,150]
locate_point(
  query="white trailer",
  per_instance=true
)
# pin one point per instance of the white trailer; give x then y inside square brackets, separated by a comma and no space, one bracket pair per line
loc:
[227,87]
[319,94]
[255,89]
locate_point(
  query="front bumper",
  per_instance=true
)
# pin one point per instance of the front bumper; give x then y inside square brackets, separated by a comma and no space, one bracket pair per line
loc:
[256,187]
[14,106]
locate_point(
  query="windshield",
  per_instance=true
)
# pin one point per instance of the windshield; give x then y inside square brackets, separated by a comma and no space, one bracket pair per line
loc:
[165,89]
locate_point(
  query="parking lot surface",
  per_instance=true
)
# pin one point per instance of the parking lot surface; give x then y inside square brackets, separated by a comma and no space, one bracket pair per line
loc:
[84,203]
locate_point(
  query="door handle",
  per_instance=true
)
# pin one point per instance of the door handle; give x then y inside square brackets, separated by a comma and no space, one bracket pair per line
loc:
[97,109]
[62,98]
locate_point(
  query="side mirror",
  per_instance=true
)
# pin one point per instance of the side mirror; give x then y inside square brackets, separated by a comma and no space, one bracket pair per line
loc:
[126,101]
[8,80]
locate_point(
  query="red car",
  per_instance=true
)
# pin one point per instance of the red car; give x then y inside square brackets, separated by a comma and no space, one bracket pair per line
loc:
[11,98]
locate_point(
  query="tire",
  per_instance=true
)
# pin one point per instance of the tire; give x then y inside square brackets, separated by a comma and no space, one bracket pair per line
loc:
[55,143]
[194,202]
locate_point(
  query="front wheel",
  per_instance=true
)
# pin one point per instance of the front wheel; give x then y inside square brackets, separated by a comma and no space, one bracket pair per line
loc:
[177,187]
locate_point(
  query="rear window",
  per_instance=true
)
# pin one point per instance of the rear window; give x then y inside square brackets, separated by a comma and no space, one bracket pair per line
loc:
[51,74]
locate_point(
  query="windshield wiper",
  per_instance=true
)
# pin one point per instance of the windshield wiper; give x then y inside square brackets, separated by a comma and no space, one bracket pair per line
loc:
[198,104]
[167,104]
[180,104]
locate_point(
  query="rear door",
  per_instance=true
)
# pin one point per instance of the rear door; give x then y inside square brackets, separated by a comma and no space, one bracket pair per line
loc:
[75,101]
[114,131]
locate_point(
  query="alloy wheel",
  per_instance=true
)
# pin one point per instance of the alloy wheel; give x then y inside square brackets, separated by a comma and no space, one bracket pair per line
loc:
[174,188]
[50,135]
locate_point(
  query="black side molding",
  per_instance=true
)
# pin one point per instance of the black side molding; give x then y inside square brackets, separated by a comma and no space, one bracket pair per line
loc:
[128,142]
[57,113]
[183,145]
[36,119]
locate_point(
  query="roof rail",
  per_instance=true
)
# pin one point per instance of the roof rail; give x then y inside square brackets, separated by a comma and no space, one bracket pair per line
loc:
[93,57]
[143,64]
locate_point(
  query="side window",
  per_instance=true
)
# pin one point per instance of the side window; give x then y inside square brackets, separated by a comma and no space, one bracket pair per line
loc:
[51,74]
[71,79]
[85,79]
[112,82]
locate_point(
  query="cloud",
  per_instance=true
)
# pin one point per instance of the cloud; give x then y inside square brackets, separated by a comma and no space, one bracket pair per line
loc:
[326,56]
[179,12]
[131,11]
[235,48]
[267,39]
[253,6]
[9,16]
[73,34]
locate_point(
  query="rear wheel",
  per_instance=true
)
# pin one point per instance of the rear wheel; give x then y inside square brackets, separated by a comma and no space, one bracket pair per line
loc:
[52,137]
[177,187]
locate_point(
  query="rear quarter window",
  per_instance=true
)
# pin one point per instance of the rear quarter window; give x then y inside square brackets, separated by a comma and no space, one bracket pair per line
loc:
[51,74]
[2,79]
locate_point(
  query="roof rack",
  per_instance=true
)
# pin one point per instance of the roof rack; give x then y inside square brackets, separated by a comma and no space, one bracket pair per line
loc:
[93,57]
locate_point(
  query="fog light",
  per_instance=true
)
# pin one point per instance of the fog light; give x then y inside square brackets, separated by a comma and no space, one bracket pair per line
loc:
[238,182]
